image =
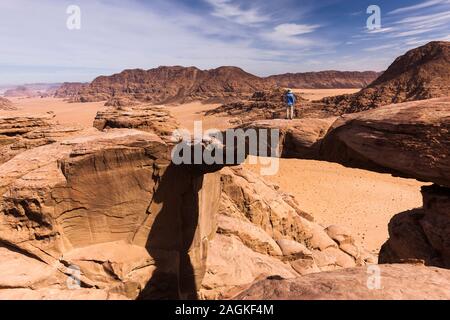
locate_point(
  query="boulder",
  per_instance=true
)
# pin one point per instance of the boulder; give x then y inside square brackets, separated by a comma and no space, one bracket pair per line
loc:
[395,282]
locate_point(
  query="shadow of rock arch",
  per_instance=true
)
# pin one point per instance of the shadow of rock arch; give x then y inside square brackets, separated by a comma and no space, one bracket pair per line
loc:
[177,239]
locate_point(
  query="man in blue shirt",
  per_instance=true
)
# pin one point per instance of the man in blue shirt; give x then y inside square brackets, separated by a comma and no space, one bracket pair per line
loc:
[290,103]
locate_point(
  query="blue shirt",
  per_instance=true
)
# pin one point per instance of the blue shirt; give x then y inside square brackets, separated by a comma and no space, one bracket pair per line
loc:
[290,99]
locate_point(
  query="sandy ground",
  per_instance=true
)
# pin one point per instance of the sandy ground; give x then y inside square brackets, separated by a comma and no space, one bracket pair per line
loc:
[317,94]
[362,201]
[66,113]
[187,114]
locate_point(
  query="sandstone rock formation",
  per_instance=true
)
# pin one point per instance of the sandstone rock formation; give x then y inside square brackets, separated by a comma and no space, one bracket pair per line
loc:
[409,139]
[421,234]
[20,132]
[5,104]
[325,79]
[110,206]
[300,138]
[422,73]
[397,282]
[143,117]
[262,232]
[69,90]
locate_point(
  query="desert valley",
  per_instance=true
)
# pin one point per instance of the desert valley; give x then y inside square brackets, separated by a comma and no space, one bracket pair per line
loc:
[91,198]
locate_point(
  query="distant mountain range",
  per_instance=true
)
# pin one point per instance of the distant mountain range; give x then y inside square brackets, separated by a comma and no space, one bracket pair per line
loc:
[183,84]
[30,90]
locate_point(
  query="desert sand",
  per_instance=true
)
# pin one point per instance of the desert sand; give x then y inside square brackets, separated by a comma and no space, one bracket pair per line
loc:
[66,113]
[362,201]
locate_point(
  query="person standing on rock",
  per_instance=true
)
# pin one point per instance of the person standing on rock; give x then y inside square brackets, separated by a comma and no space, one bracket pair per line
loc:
[290,104]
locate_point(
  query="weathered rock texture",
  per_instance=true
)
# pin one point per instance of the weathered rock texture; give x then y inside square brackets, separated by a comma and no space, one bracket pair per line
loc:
[112,206]
[300,138]
[409,139]
[421,234]
[422,73]
[69,90]
[262,232]
[397,282]
[5,104]
[22,132]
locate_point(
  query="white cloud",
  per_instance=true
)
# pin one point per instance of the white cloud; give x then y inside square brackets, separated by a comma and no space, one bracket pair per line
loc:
[227,10]
[423,5]
[289,33]
[381,30]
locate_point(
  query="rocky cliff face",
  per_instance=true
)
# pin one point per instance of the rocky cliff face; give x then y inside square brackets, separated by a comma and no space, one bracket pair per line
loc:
[325,79]
[421,73]
[69,90]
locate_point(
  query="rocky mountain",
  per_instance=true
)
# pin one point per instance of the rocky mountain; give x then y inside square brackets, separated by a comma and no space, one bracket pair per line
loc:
[325,79]
[171,85]
[69,89]
[32,90]
[180,84]
[421,73]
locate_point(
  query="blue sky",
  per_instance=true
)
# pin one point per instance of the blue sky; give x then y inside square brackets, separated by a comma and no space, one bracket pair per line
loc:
[263,37]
